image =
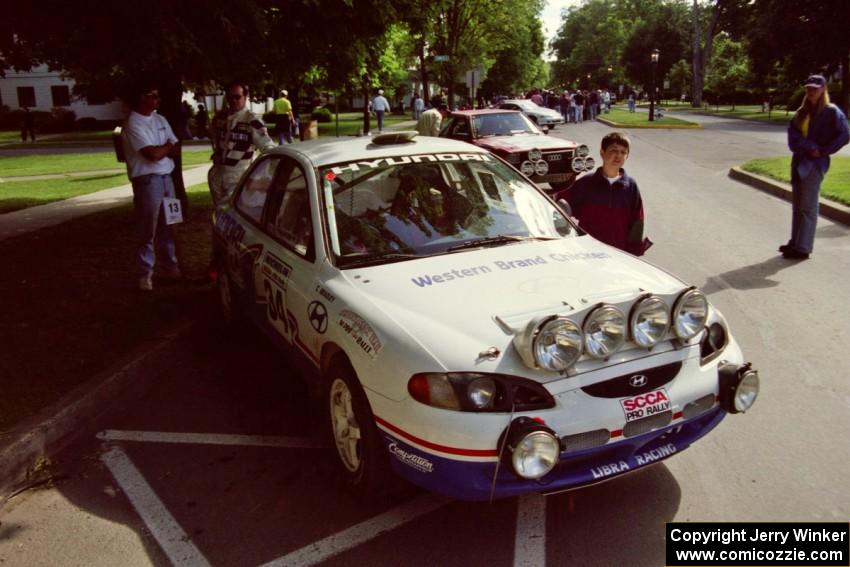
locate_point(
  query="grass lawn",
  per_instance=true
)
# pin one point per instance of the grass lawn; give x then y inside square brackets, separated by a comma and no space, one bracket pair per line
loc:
[71,308]
[625,119]
[835,186]
[40,164]
[15,195]
[350,122]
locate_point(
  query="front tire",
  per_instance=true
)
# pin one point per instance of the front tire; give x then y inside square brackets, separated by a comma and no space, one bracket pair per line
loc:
[359,447]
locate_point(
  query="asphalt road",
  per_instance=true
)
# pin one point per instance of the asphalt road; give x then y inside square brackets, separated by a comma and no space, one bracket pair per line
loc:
[242,478]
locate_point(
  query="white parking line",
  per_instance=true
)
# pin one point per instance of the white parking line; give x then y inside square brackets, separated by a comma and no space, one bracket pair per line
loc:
[349,538]
[162,525]
[530,541]
[211,439]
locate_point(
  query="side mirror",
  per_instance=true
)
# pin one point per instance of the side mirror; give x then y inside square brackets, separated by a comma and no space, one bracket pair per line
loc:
[565,207]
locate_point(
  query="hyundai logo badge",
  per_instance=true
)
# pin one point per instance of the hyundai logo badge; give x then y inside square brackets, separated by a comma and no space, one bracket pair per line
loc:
[637,381]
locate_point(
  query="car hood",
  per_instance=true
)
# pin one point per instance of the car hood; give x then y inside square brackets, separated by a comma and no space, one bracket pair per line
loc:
[472,299]
[524,142]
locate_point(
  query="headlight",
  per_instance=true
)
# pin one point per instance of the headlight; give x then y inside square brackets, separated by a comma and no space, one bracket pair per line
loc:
[532,448]
[557,344]
[541,167]
[527,168]
[690,314]
[478,392]
[578,164]
[589,163]
[582,150]
[604,331]
[481,392]
[535,154]
[649,321]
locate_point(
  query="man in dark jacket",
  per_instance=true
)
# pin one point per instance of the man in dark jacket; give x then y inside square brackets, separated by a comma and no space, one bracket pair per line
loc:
[607,203]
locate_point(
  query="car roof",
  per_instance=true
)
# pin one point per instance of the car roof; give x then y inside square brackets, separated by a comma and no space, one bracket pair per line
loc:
[337,150]
[518,101]
[484,111]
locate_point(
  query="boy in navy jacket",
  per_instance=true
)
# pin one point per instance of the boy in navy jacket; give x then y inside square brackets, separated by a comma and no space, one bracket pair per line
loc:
[607,203]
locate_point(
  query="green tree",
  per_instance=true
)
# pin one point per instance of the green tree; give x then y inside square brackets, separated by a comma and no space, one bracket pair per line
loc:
[518,63]
[801,38]
[729,70]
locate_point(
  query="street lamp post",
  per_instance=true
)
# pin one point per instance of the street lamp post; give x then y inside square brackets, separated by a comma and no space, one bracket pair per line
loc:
[654,60]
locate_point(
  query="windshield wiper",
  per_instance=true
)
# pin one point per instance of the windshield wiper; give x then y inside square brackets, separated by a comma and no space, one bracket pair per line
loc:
[376,258]
[496,240]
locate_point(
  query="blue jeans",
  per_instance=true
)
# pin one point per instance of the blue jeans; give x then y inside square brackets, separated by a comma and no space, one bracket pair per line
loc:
[151,230]
[380,115]
[579,114]
[804,211]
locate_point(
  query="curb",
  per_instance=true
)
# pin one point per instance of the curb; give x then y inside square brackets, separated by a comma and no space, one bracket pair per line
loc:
[689,126]
[829,209]
[26,450]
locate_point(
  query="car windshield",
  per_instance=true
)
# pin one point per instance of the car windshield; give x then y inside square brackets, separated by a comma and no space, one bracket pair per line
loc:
[527,104]
[394,209]
[502,124]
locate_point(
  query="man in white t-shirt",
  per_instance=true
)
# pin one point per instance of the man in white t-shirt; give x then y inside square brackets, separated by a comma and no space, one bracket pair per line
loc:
[379,107]
[149,144]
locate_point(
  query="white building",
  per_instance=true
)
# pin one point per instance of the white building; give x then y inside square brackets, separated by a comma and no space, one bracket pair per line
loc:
[43,89]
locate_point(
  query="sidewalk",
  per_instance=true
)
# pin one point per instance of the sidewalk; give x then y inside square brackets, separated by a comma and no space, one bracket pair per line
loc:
[36,218]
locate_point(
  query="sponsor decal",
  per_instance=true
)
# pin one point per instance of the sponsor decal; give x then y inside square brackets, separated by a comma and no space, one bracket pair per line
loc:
[609,469]
[361,332]
[423,158]
[276,270]
[229,229]
[655,454]
[411,459]
[325,294]
[317,314]
[426,280]
[645,405]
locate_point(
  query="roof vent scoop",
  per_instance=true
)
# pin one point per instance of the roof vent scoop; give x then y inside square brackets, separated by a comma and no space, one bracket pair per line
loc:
[390,138]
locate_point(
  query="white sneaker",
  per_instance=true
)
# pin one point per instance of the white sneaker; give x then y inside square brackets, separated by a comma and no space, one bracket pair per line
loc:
[145,283]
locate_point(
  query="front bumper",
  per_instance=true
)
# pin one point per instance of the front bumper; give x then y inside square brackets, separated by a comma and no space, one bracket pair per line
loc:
[467,480]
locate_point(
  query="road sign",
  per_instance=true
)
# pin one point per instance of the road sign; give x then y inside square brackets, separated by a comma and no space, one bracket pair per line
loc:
[441,58]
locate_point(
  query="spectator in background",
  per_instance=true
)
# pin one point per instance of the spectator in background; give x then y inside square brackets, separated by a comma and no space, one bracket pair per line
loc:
[27,126]
[578,99]
[817,130]
[235,133]
[149,144]
[631,101]
[380,106]
[201,121]
[418,106]
[429,122]
[284,119]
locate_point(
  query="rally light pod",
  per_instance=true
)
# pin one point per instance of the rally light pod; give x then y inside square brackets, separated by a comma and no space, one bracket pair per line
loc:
[739,386]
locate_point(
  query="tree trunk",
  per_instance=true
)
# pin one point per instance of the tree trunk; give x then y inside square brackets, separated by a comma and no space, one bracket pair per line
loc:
[696,83]
[423,74]
[844,103]
[365,107]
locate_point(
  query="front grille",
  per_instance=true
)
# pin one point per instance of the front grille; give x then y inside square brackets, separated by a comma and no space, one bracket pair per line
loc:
[647,424]
[562,165]
[702,405]
[586,440]
[620,387]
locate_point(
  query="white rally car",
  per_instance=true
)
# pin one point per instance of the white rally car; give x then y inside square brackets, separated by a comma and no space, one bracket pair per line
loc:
[464,332]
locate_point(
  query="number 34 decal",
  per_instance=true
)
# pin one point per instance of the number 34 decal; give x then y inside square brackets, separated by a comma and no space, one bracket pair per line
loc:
[274,307]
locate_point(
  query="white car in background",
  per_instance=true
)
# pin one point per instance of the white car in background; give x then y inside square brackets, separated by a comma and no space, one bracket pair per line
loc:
[464,333]
[540,115]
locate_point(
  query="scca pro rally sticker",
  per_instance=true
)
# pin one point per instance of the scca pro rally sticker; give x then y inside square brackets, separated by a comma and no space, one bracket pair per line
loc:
[645,405]
[361,331]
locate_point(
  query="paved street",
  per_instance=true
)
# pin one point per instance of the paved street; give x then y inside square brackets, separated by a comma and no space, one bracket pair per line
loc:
[221,463]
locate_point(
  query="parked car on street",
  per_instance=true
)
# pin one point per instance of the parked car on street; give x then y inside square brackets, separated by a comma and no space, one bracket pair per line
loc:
[513,137]
[462,331]
[540,115]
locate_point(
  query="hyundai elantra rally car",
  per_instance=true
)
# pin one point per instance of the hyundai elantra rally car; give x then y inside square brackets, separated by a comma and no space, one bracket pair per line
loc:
[464,333]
